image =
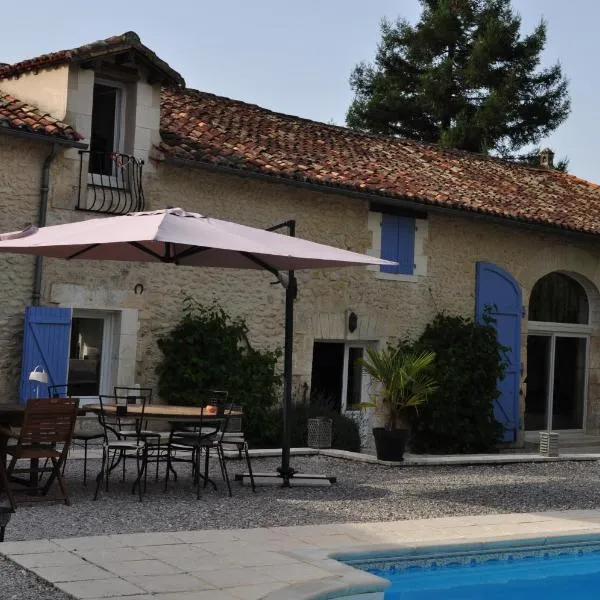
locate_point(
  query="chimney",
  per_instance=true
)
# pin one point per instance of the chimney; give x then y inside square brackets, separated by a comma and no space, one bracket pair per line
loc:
[547,158]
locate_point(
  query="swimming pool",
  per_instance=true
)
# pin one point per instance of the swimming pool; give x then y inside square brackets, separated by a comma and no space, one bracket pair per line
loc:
[552,571]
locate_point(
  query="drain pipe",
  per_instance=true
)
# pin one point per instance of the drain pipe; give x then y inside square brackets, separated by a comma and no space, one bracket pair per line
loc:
[43,209]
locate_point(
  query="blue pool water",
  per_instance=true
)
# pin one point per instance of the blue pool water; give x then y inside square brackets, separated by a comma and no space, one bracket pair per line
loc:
[549,572]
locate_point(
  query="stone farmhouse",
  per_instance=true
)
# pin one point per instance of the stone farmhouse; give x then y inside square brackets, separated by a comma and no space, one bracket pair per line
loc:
[109,128]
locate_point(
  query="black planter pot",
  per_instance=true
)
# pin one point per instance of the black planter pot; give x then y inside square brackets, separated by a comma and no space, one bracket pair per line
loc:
[390,443]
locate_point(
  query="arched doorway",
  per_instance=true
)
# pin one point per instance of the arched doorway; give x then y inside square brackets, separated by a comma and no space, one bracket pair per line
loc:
[557,354]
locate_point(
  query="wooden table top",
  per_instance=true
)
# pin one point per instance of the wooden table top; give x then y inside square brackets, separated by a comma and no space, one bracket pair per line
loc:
[161,411]
[9,412]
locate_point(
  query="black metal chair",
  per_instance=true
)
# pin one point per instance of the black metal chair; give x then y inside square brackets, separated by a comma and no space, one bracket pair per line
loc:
[204,435]
[111,409]
[126,427]
[233,439]
[87,428]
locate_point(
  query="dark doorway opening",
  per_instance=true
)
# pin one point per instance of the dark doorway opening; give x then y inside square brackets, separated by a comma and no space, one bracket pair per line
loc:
[327,374]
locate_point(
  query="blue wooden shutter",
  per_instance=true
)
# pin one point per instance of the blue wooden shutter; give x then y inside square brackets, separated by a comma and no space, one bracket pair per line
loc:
[46,340]
[398,243]
[499,293]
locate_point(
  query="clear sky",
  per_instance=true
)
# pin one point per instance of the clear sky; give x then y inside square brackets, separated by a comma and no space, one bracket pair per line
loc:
[295,56]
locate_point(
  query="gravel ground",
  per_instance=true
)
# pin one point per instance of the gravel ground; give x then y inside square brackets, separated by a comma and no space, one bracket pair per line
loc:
[364,492]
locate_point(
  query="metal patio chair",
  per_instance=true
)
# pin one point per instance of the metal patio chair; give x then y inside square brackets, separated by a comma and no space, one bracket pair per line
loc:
[116,448]
[233,439]
[202,436]
[87,427]
[152,437]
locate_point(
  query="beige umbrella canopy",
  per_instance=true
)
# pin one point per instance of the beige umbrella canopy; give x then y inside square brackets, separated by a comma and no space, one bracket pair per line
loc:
[190,239]
[183,238]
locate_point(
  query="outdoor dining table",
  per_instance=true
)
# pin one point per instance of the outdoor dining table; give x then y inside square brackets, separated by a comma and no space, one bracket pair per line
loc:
[166,412]
[11,415]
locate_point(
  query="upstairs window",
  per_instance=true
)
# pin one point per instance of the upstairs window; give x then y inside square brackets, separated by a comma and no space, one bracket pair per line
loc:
[108,113]
[398,243]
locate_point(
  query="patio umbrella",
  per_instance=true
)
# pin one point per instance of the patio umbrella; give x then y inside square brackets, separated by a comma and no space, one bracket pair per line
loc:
[189,239]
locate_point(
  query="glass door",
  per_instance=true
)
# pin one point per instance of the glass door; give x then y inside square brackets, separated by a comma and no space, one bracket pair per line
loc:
[568,398]
[556,382]
[539,348]
[91,350]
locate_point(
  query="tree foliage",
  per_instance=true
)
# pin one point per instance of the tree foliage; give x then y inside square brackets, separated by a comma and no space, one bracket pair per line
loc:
[208,349]
[459,416]
[463,76]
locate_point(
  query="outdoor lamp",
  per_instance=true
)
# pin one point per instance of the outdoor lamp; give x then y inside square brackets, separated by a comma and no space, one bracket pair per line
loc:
[38,377]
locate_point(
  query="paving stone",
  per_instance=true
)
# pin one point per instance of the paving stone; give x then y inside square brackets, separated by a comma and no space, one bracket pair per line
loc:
[99,542]
[201,595]
[72,573]
[134,540]
[169,583]
[293,573]
[49,559]
[255,592]
[100,588]
[111,555]
[140,567]
[237,577]
[34,547]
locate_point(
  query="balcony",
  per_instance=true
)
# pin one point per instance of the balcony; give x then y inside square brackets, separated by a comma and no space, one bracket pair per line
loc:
[110,183]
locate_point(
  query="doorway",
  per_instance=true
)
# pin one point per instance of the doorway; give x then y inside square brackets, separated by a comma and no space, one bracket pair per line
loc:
[556,382]
[90,353]
[557,355]
[338,380]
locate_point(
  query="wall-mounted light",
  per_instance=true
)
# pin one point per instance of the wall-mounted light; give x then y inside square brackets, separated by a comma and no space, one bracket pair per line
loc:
[352,322]
[138,290]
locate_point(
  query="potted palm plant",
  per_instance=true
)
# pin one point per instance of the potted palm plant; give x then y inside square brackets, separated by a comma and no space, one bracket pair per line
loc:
[402,383]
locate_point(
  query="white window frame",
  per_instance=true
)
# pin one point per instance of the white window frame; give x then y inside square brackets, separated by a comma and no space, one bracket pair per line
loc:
[366,380]
[374,220]
[119,141]
[553,331]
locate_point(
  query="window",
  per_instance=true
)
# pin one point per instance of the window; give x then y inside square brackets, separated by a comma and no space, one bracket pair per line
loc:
[558,298]
[108,112]
[398,243]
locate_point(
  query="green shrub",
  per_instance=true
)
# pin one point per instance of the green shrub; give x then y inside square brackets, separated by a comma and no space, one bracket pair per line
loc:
[459,416]
[345,430]
[208,349]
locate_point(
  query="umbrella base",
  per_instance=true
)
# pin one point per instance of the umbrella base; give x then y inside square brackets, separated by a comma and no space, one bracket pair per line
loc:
[294,479]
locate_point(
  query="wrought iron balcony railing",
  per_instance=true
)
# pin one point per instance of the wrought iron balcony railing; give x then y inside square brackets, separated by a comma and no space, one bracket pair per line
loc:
[110,182]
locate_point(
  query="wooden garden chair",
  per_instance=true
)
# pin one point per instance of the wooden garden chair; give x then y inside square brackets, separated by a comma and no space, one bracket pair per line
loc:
[46,434]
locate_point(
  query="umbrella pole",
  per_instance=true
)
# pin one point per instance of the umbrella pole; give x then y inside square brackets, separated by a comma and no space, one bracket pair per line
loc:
[285,470]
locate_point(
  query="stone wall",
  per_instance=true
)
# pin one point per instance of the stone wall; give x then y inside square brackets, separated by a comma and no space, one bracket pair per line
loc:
[20,174]
[385,308]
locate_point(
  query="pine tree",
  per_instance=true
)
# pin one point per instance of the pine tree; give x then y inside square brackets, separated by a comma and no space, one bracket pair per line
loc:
[464,77]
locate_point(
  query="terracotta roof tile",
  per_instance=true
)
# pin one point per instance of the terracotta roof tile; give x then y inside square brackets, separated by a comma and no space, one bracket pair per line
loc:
[15,114]
[202,127]
[118,43]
